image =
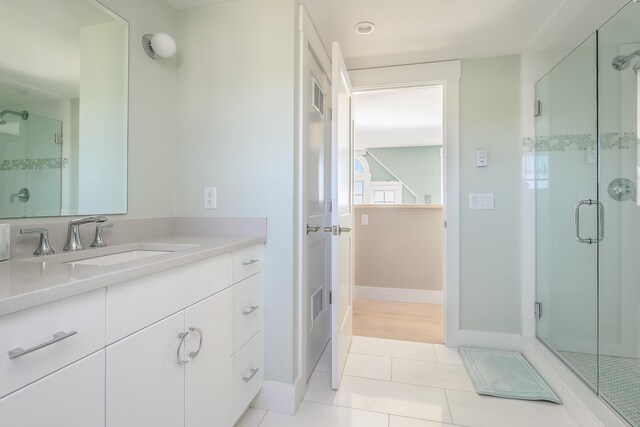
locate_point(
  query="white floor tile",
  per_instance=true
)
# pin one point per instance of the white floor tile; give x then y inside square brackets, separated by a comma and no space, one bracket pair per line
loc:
[366,366]
[251,418]
[319,388]
[473,410]
[431,374]
[393,398]
[318,415]
[324,364]
[396,421]
[447,355]
[393,348]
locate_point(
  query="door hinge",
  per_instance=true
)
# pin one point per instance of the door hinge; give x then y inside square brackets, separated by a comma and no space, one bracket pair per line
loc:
[330,114]
[537,309]
[537,108]
[330,297]
[58,139]
[330,205]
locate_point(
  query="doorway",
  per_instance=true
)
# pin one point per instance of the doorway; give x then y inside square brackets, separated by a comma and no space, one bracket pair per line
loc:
[397,195]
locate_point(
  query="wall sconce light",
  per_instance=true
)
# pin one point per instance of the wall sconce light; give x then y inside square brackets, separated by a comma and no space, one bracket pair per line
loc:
[159,44]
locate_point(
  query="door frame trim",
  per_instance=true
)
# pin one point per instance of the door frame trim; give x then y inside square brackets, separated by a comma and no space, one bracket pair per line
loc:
[448,74]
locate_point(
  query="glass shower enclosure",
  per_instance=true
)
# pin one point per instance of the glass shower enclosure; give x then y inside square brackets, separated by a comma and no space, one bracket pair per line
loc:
[588,214]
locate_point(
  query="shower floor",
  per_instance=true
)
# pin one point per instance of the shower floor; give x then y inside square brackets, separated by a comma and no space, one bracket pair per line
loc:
[619,380]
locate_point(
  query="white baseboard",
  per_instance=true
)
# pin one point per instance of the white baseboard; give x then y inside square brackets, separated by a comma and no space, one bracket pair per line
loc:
[499,340]
[400,295]
[280,397]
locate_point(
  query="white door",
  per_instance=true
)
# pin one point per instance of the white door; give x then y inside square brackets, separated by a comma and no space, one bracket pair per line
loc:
[70,397]
[208,373]
[341,215]
[318,194]
[145,382]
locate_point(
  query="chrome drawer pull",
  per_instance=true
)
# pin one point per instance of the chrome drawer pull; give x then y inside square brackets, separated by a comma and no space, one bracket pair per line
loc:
[181,337]
[194,354]
[57,337]
[253,261]
[254,371]
[251,310]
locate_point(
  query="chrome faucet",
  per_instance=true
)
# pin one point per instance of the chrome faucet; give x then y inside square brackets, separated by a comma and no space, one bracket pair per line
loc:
[74,242]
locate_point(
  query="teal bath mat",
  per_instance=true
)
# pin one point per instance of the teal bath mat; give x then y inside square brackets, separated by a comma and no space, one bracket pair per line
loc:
[505,374]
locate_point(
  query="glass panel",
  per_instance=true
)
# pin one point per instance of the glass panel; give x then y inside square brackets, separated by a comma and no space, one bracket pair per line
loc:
[565,173]
[31,164]
[357,167]
[619,258]
[357,188]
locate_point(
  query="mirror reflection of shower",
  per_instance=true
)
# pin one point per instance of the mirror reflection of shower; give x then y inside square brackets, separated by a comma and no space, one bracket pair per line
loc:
[24,115]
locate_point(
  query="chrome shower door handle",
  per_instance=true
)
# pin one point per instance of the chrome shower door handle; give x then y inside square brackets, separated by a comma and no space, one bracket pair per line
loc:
[576,212]
[254,371]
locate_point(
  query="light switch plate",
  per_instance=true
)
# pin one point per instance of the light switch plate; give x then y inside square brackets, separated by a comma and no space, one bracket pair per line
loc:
[5,241]
[364,219]
[482,159]
[481,201]
[210,198]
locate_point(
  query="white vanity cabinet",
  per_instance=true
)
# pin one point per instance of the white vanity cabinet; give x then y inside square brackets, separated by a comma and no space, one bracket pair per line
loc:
[183,347]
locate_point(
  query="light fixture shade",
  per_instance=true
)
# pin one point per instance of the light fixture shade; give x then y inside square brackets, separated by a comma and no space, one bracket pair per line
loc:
[163,45]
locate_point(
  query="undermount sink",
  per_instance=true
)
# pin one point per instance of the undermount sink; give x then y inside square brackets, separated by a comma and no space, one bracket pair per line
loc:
[119,257]
[113,255]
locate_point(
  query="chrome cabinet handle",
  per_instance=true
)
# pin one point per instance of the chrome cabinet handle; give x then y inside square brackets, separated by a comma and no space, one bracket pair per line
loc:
[312,229]
[194,354]
[254,371]
[589,240]
[181,337]
[57,337]
[251,310]
[253,261]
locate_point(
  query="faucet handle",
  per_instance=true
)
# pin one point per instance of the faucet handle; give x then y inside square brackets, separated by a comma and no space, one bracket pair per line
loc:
[44,248]
[98,240]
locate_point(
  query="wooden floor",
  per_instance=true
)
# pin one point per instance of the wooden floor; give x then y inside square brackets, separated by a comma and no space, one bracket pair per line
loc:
[405,321]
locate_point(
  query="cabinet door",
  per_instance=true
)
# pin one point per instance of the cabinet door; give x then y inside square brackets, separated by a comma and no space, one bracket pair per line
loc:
[208,373]
[70,397]
[145,382]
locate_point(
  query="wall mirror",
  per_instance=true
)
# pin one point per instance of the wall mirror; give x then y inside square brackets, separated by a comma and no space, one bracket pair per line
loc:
[63,109]
[398,137]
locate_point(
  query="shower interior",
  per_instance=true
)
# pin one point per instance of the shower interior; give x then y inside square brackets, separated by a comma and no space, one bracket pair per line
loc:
[587,212]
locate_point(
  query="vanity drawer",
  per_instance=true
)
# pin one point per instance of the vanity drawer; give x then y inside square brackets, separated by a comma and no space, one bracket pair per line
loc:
[41,340]
[138,303]
[246,262]
[247,310]
[247,375]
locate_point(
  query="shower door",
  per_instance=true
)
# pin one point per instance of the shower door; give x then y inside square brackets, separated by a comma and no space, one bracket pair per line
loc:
[566,165]
[619,255]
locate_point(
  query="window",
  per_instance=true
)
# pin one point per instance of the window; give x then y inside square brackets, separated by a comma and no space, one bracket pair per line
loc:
[361,180]
[386,192]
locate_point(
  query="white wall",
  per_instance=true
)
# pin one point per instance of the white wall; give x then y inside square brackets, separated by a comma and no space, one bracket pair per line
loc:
[489,243]
[236,124]
[152,114]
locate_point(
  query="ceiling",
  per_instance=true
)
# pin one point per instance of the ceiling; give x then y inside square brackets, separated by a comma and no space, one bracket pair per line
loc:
[399,118]
[414,31]
[186,4]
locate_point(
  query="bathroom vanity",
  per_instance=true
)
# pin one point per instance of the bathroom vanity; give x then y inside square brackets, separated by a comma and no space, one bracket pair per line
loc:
[165,333]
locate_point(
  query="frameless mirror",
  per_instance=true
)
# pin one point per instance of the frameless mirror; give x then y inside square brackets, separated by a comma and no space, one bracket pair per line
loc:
[398,140]
[63,109]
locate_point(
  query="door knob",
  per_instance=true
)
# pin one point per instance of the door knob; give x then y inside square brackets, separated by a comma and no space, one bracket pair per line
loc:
[327,229]
[336,230]
[312,229]
[343,230]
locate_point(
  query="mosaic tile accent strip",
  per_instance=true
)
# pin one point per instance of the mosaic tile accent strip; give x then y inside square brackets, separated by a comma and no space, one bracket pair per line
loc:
[33,164]
[619,380]
[582,142]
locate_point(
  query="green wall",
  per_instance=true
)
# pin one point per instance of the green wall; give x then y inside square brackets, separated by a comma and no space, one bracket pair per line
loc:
[418,168]
[489,239]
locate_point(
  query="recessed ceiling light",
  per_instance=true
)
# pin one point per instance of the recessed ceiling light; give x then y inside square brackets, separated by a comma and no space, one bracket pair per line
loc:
[365,27]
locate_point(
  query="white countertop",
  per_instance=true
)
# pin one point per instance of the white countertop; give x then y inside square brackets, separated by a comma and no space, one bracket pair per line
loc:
[29,282]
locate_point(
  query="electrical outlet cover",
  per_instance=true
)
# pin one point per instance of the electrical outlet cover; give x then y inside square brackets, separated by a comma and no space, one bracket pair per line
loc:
[210,198]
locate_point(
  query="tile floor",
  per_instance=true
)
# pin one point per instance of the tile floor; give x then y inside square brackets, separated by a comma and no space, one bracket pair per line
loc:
[391,383]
